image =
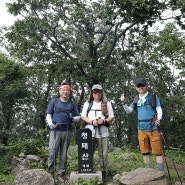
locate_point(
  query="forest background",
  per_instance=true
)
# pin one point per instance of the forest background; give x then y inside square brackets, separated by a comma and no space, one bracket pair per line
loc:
[111,42]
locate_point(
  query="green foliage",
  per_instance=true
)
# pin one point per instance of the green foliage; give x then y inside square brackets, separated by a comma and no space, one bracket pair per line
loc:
[7,179]
[35,165]
[12,76]
[120,160]
[12,91]
[141,10]
[125,164]
[99,42]
[95,42]
[35,146]
[95,181]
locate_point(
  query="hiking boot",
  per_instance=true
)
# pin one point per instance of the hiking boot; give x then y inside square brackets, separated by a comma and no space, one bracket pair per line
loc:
[61,177]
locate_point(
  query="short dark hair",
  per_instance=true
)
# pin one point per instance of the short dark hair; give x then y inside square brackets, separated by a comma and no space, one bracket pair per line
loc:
[65,83]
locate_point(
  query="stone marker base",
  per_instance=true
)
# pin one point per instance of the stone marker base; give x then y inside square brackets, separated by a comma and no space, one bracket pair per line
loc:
[86,176]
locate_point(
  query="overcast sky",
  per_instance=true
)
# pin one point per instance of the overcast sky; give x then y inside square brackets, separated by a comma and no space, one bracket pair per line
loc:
[6,19]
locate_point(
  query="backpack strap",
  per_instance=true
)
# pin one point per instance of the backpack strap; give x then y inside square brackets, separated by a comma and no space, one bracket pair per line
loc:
[70,113]
[136,98]
[72,106]
[151,100]
[55,104]
[89,107]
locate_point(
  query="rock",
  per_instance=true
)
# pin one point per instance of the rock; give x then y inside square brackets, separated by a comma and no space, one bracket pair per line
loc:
[23,163]
[129,156]
[19,165]
[33,158]
[143,176]
[116,178]
[180,168]
[22,156]
[33,177]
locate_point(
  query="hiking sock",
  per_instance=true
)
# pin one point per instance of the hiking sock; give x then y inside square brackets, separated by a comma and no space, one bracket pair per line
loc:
[160,167]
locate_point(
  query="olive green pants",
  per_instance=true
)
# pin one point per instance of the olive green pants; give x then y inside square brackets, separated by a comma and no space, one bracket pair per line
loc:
[102,145]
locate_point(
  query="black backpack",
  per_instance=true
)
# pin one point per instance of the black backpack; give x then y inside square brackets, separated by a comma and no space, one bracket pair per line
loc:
[70,113]
[89,107]
[151,100]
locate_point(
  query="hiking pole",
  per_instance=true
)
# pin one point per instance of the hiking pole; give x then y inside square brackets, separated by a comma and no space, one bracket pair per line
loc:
[104,111]
[163,138]
[104,178]
[169,176]
[54,153]
[164,155]
[103,162]
[63,154]
[66,152]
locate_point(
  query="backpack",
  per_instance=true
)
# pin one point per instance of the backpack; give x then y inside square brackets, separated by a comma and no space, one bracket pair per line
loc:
[89,108]
[69,113]
[151,100]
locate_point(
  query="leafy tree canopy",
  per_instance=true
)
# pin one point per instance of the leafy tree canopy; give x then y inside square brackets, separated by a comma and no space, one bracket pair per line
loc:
[83,37]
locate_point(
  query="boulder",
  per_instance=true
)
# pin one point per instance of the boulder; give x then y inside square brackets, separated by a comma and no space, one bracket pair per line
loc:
[23,163]
[19,164]
[143,176]
[33,176]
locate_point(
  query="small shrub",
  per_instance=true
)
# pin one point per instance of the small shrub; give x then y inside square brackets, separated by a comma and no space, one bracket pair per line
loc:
[82,181]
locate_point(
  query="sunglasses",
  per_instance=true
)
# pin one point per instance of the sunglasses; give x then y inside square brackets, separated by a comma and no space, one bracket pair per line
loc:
[97,92]
[140,85]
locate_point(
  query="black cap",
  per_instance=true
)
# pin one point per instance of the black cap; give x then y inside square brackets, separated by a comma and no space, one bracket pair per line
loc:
[140,81]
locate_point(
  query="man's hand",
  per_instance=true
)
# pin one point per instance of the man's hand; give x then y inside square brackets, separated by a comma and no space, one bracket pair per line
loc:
[52,126]
[76,118]
[122,98]
[157,122]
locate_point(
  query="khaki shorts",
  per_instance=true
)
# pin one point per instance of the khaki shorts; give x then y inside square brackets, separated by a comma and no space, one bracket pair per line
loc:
[150,141]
